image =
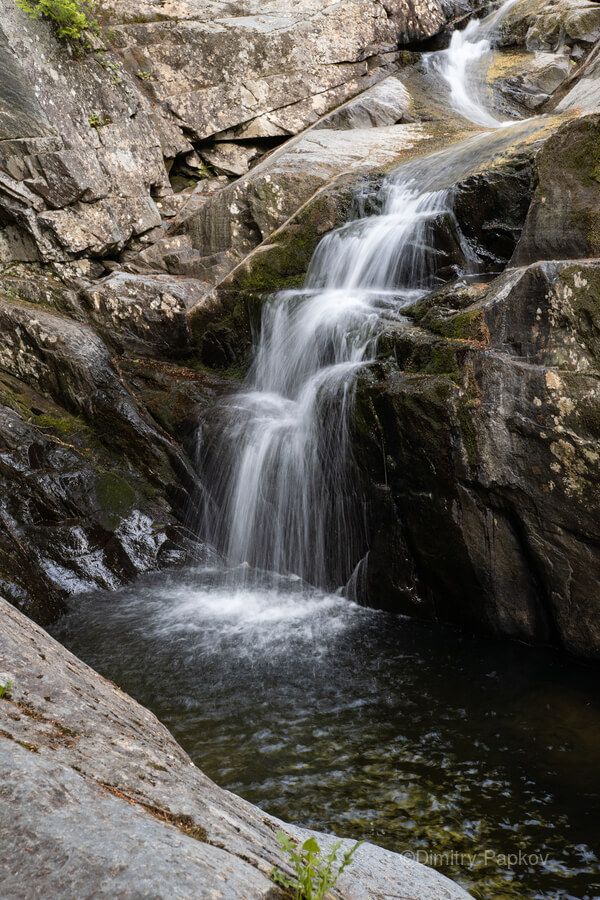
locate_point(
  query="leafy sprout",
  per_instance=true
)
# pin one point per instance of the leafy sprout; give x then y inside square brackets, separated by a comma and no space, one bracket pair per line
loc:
[314,872]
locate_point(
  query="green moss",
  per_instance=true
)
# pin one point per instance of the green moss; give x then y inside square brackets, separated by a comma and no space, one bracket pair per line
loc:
[408,58]
[438,358]
[64,426]
[442,361]
[115,499]
[575,147]
[468,431]
[468,326]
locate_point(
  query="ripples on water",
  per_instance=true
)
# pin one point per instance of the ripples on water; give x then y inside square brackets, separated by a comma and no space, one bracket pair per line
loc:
[351,720]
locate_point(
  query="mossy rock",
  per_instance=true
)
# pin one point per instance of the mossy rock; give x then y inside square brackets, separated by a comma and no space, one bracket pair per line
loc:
[222,325]
[115,499]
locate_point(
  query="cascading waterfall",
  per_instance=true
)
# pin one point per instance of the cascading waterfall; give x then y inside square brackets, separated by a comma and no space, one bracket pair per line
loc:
[462,65]
[287,502]
[285,497]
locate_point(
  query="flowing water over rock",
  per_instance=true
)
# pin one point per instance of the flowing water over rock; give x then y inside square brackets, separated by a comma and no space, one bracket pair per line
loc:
[462,67]
[286,501]
[284,495]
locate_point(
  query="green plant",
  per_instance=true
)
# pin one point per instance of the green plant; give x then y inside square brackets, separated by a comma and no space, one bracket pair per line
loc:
[5,689]
[314,873]
[114,69]
[145,74]
[72,18]
[97,122]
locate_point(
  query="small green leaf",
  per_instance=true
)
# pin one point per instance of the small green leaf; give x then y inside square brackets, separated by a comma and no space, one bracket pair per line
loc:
[311,845]
[314,875]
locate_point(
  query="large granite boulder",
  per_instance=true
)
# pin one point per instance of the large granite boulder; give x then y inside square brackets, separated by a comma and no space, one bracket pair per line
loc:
[98,800]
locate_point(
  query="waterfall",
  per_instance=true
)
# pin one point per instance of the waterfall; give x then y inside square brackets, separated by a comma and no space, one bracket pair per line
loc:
[285,496]
[462,67]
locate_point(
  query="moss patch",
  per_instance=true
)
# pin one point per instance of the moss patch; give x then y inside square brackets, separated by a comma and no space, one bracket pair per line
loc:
[115,499]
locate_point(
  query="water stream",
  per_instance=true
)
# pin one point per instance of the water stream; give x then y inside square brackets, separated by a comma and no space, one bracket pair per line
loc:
[279,464]
[321,711]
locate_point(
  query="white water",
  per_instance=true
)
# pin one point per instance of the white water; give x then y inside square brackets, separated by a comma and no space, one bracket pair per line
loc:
[285,493]
[462,67]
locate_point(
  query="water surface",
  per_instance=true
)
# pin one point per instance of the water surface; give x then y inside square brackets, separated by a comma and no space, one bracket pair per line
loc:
[346,719]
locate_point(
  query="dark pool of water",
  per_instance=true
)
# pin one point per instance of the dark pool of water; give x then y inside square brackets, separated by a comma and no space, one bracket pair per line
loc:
[462,751]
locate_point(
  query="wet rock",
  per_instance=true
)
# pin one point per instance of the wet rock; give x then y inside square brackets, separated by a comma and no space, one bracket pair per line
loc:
[562,221]
[99,800]
[550,51]
[221,323]
[180,399]
[93,490]
[491,462]
[491,208]
[73,514]
[527,79]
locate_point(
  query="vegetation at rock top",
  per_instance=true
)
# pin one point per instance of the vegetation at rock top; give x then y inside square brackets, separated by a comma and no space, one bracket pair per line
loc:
[72,18]
[314,873]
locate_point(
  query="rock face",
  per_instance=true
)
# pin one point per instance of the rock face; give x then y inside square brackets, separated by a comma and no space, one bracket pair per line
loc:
[287,62]
[93,489]
[98,800]
[497,394]
[87,143]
